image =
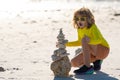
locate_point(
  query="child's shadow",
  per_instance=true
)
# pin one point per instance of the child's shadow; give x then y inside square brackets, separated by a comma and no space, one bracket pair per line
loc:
[98,76]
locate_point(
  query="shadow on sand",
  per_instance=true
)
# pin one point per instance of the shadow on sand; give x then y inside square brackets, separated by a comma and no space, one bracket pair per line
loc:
[97,76]
[63,78]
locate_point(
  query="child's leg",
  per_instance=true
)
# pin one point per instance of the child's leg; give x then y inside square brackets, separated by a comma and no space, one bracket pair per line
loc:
[86,57]
[100,51]
[90,54]
[78,61]
[86,52]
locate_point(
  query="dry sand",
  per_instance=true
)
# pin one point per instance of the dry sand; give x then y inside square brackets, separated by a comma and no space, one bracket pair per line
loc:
[28,39]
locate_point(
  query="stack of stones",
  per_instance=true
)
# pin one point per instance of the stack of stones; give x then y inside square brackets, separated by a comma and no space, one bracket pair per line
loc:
[61,65]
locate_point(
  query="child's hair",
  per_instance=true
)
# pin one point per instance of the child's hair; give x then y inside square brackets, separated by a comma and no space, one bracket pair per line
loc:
[84,12]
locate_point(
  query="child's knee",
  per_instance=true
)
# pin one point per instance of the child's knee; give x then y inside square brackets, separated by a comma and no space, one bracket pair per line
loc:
[72,63]
[75,63]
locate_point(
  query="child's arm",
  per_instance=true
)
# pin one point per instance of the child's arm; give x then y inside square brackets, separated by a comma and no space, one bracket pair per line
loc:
[74,43]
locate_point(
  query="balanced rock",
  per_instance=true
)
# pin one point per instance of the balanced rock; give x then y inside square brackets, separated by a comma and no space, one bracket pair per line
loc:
[61,65]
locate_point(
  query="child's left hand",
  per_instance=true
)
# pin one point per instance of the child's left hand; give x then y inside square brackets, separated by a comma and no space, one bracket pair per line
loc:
[87,38]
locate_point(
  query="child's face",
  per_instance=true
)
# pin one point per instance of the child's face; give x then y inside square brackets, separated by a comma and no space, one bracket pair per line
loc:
[81,21]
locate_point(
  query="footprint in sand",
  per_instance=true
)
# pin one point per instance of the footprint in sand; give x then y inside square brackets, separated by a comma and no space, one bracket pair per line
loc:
[2,69]
[55,21]
[33,21]
[25,22]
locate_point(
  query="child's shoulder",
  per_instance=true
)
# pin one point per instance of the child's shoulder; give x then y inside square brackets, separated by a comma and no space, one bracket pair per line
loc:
[94,26]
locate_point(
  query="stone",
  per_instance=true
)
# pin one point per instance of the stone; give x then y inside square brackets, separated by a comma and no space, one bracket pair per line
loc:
[61,65]
[78,51]
[2,69]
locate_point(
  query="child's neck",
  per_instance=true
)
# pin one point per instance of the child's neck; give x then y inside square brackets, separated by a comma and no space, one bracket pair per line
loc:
[82,27]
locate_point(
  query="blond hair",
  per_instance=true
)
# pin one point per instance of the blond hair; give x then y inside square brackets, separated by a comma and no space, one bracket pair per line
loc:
[85,12]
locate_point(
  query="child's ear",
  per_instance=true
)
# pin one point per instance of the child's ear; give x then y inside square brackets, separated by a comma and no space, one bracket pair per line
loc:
[89,21]
[93,21]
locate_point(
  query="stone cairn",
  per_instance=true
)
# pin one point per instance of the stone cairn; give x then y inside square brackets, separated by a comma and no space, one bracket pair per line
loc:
[61,65]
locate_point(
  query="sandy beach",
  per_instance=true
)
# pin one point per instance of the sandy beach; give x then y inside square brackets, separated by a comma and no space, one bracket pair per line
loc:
[28,38]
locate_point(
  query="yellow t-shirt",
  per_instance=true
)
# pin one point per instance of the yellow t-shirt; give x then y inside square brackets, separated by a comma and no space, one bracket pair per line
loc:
[93,33]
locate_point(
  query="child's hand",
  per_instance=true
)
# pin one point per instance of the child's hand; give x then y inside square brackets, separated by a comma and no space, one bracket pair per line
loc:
[57,44]
[86,38]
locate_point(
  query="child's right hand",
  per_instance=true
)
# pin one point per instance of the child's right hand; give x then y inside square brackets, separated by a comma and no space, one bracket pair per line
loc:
[57,44]
[86,38]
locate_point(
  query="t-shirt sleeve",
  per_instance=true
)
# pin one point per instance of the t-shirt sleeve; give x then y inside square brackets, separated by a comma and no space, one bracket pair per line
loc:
[74,43]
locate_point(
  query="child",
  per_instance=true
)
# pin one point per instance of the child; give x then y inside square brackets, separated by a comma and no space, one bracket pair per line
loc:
[95,47]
